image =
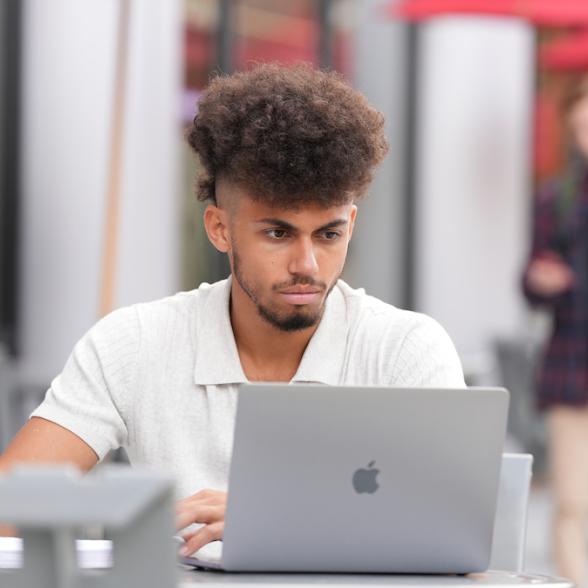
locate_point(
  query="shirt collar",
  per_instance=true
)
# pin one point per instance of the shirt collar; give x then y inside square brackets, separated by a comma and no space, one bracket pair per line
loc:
[323,358]
[217,359]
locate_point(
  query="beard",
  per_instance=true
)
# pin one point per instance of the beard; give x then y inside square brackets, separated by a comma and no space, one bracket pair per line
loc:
[300,318]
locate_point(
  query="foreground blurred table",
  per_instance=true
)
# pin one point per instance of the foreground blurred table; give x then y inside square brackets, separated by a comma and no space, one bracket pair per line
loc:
[98,558]
[487,580]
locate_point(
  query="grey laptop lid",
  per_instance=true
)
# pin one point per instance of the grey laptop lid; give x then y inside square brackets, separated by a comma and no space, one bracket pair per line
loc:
[350,479]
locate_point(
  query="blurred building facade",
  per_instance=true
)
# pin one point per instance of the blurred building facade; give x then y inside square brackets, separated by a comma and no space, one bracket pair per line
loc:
[444,229]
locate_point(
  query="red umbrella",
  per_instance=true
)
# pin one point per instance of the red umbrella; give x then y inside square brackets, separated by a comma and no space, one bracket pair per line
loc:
[569,53]
[538,12]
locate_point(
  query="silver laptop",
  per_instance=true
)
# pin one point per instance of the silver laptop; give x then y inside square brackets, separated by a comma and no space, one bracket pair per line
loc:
[357,479]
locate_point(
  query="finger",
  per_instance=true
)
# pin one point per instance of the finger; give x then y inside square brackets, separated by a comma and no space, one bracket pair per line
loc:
[212,497]
[202,537]
[199,507]
[199,515]
[187,536]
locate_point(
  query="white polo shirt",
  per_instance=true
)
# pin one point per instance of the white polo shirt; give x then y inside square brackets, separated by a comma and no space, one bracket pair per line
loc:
[161,378]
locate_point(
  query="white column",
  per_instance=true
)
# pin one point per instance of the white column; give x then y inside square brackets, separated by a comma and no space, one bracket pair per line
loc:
[68,78]
[474,144]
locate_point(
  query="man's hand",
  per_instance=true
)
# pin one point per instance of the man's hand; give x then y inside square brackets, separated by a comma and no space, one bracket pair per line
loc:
[549,275]
[207,508]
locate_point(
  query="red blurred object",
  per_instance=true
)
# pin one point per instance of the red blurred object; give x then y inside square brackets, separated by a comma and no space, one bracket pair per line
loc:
[197,48]
[258,50]
[569,53]
[538,12]
[547,137]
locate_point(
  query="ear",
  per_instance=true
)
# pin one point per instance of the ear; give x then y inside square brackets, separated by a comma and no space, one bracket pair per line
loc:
[352,217]
[217,227]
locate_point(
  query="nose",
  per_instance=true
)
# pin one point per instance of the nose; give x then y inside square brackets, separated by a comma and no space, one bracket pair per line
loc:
[303,260]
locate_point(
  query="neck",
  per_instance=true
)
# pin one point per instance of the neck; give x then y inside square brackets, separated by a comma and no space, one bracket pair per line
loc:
[266,352]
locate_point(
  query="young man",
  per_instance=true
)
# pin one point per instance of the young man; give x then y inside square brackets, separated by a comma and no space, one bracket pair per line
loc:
[285,155]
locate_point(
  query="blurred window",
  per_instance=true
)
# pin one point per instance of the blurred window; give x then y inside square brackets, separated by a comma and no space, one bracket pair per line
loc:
[201,23]
[275,30]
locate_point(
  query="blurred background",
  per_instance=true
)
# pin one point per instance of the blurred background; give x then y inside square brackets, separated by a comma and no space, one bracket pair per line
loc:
[97,206]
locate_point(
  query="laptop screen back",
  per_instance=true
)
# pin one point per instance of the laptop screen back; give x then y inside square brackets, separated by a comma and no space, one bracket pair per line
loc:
[346,479]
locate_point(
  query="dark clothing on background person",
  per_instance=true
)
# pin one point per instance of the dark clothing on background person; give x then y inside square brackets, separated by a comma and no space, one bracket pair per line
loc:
[561,226]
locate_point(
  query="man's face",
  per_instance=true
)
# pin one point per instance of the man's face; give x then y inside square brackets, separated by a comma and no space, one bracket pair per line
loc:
[287,261]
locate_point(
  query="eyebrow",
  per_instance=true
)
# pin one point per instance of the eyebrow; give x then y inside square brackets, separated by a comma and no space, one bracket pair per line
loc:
[284,225]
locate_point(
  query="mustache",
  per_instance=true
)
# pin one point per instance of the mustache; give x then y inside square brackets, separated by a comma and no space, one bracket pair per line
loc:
[299,281]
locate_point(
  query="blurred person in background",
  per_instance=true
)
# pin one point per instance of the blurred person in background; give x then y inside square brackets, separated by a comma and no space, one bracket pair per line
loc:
[556,277]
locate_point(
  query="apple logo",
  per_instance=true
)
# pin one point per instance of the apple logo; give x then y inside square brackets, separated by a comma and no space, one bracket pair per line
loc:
[364,480]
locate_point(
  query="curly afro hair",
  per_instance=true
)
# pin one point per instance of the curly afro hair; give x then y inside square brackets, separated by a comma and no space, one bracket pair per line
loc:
[289,135]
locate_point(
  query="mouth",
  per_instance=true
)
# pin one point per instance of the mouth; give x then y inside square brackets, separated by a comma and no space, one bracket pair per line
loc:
[301,296]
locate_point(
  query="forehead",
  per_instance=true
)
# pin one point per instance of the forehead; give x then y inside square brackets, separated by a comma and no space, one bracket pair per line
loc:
[304,215]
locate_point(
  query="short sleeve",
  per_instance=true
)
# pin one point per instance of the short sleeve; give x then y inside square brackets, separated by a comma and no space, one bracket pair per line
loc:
[428,358]
[91,395]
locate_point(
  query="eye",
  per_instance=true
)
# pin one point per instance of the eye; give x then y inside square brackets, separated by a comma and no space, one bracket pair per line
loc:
[277,234]
[331,235]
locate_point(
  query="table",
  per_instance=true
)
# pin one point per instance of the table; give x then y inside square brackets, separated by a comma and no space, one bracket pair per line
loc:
[189,577]
[491,579]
